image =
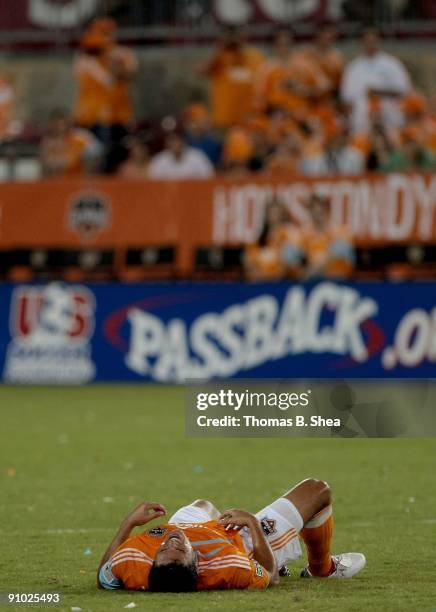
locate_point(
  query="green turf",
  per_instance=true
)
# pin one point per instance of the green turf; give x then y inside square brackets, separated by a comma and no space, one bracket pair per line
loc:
[75,460]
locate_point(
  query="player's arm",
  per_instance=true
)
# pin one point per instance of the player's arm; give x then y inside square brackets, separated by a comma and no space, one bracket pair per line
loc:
[142,514]
[262,552]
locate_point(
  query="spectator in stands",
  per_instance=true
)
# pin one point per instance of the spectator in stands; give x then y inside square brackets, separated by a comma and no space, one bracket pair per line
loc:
[420,122]
[299,86]
[66,150]
[261,150]
[328,59]
[374,82]
[277,253]
[287,156]
[122,64]
[328,249]
[123,67]
[314,158]
[273,70]
[298,82]
[238,151]
[8,124]
[199,133]
[136,165]
[93,107]
[347,154]
[232,68]
[179,161]
[395,152]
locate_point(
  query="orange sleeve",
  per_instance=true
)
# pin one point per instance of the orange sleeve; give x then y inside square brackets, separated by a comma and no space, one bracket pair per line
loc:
[256,578]
[132,573]
[131,565]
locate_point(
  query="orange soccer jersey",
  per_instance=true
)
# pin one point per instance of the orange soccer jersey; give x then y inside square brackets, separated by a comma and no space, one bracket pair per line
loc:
[223,561]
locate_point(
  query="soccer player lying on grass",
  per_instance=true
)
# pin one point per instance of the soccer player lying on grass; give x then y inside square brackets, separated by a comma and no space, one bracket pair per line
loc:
[199,548]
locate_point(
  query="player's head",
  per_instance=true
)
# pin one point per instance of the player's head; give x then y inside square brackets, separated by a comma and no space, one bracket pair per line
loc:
[175,565]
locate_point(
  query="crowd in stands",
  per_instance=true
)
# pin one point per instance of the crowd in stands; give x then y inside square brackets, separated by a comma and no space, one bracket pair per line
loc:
[317,250]
[304,110]
[301,110]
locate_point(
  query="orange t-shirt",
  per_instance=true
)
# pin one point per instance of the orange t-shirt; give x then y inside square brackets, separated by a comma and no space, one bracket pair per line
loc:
[69,152]
[232,73]
[94,91]
[121,103]
[330,63]
[286,85]
[223,561]
[268,75]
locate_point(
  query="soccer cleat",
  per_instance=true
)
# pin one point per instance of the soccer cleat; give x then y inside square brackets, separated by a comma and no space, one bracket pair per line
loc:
[346,566]
[284,571]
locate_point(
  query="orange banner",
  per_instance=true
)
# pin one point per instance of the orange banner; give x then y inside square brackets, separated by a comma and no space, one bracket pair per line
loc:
[114,213]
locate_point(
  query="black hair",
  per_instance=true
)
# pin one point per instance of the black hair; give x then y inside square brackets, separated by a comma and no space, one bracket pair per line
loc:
[173,578]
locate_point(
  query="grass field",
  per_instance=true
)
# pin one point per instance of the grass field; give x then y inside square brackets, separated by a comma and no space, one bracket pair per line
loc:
[74,461]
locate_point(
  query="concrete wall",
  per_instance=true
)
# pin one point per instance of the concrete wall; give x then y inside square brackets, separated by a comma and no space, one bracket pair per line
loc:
[167,77]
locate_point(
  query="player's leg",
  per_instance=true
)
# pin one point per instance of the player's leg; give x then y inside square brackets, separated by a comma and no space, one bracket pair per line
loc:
[309,497]
[208,507]
[306,511]
[198,511]
[312,499]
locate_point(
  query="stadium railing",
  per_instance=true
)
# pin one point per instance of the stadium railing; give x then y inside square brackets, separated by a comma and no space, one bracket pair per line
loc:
[105,228]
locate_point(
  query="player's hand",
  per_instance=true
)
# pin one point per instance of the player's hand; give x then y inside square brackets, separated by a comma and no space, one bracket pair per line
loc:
[146,512]
[236,519]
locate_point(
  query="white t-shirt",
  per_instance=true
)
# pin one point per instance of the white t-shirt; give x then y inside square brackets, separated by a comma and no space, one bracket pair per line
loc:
[380,71]
[192,164]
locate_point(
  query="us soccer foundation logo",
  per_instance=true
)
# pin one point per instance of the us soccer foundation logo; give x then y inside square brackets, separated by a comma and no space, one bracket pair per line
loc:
[51,328]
